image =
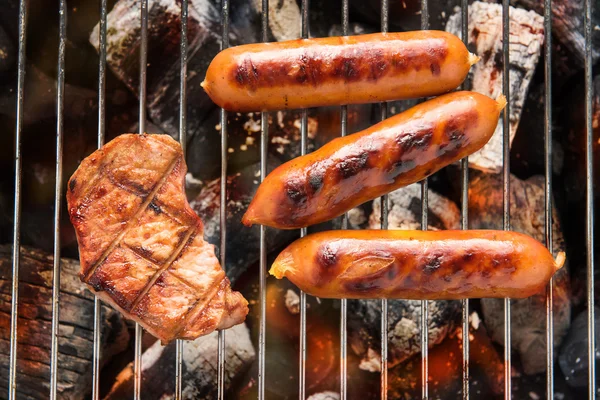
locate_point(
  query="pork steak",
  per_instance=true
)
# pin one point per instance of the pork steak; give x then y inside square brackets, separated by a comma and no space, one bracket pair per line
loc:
[141,246]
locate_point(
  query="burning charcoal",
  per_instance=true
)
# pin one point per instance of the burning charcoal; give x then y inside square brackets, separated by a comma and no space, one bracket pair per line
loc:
[567,26]
[485,34]
[7,53]
[573,358]
[528,316]
[123,41]
[34,327]
[199,367]
[405,210]
[404,315]
[242,242]
[404,327]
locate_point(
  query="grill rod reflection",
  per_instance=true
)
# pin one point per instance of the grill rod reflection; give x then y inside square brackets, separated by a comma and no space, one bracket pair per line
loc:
[60,100]
[137,363]
[384,225]
[506,181]
[344,302]
[548,192]
[303,145]
[264,137]
[424,223]
[464,217]
[589,183]
[182,141]
[16,251]
[223,207]
[101,135]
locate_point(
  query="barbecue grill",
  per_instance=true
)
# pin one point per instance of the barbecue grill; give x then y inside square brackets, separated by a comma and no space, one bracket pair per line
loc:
[261,349]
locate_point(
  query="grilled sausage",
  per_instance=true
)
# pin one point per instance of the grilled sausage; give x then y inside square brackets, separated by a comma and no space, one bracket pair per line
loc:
[417,265]
[396,152]
[337,70]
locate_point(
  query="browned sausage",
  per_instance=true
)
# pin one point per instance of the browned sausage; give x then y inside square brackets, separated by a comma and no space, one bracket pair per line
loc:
[396,152]
[337,70]
[417,265]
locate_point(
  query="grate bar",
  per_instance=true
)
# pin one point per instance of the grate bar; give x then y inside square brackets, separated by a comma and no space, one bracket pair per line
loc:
[101,135]
[137,387]
[304,9]
[16,253]
[548,193]
[506,182]
[264,138]
[384,225]
[223,206]
[183,45]
[589,174]
[60,100]
[424,210]
[344,302]
[464,221]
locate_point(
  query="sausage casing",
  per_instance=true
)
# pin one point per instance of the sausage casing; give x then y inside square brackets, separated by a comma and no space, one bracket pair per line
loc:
[419,265]
[396,152]
[337,70]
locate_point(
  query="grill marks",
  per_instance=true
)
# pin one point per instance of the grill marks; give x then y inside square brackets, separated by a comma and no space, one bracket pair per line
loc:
[432,271]
[344,63]
[153,244]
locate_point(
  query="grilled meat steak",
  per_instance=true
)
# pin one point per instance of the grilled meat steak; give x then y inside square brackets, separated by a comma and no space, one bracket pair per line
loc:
[141,246]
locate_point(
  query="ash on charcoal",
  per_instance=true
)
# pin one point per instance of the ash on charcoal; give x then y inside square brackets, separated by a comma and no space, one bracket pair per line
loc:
[292,302]
[528,316]
[284,19]
[325,396]
[404,316]
[199,367]
[485,34]
[242,242]
[405,210]
[34,327]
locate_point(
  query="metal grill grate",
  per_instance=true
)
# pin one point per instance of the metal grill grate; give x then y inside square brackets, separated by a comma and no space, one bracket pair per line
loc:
[23,14]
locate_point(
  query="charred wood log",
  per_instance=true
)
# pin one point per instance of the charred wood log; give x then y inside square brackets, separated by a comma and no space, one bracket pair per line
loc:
[199,367]
[528,316]
[34,327]
[242,242]
[404,316]
[485,35]
[163,74]
[567,26]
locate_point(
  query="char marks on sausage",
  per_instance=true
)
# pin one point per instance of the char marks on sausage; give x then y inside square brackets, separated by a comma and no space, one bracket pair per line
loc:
[345,63]
[141,245]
